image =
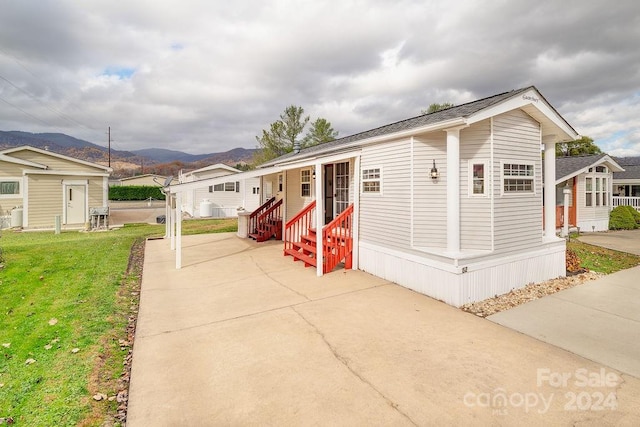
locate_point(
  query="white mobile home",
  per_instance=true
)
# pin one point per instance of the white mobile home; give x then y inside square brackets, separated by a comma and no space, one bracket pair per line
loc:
[449,204]
[223,199]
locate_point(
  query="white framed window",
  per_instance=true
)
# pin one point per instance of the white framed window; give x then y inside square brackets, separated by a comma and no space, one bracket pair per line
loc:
[305,183]
[280,183]
[518,177]
[478,178]
[10,187]
[218,187]
[237,186]
[255,190]
[372,180]
[229,186]
[596,187]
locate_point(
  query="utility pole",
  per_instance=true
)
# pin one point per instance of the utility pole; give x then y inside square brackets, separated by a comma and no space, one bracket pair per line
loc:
[109,133]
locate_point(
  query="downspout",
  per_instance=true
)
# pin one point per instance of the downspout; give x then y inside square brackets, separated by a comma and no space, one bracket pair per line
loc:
[179,230]
[319,219]
[491,185]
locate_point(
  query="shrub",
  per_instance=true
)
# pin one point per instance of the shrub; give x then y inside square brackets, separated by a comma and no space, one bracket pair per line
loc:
[135,192]
[624,218]
[635,213]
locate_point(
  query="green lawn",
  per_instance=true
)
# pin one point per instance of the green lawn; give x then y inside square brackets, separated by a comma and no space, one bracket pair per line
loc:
[64,304]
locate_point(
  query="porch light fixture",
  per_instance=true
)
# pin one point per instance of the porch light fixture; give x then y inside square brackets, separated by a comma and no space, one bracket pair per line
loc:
[434,171]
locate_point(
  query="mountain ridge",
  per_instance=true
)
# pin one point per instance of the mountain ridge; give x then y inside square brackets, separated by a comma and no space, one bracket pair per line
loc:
[84,150]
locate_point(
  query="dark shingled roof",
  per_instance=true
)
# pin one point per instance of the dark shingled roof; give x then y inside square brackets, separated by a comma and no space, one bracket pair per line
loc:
[630,172]
[627,161]
[566,166]
[459,111]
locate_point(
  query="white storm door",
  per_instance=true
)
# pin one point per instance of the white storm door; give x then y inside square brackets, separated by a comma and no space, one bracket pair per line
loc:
[76,201]
[341,188]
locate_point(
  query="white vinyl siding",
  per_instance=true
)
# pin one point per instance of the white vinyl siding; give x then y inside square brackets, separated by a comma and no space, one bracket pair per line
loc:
[518,220]
[386,218]
[475,210]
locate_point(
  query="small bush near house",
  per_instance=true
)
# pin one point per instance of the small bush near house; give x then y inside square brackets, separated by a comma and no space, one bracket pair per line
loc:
[135,192]
[624,218]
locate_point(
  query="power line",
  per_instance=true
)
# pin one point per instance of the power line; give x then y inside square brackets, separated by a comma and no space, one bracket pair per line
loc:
[53,110]
[46,87]
[24,112]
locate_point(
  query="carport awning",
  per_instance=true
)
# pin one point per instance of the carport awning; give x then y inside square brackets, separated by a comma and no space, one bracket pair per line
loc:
[179,188]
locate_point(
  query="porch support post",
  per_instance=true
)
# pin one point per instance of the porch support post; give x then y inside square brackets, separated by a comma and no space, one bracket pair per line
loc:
[178,230]
[172,223]
[565,226]
[550,187]
[453,190]
[319,218]
[167,206]
[356,213]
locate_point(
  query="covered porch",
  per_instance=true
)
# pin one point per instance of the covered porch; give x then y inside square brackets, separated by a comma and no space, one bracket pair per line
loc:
[311,206]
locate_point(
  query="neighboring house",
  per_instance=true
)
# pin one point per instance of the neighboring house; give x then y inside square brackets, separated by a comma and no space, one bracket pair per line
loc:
[626,184]
[221,200]
[449,204]
[46,184]
[149,179]
[590,179]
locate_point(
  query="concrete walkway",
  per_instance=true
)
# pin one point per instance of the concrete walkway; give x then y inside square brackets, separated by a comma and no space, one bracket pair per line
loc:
[624,240]
[599,320]
[244,336]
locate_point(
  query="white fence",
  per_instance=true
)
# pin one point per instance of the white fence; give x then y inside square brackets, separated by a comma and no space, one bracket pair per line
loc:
[627,201]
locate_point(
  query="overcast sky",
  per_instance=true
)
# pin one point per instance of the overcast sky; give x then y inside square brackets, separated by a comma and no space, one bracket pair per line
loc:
[205,76]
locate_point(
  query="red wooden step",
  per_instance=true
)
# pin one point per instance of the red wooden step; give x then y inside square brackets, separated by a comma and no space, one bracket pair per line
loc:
[308,261]
[305,247]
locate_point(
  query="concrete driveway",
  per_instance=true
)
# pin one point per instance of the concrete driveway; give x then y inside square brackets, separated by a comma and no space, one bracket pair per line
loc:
[121,213]
[244,336]
[622,240]
[599,320]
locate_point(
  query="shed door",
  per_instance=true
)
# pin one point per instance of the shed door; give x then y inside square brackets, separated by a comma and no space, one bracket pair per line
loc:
[75,199]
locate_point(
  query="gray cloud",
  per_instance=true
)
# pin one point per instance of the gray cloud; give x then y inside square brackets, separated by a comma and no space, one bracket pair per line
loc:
[203,76]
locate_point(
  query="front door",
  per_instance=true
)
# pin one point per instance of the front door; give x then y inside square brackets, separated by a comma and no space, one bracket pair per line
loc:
[328,193]
[75,195]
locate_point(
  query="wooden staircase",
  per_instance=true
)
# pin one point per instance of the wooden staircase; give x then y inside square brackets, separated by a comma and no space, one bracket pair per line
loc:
[266,221]
[301,238]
